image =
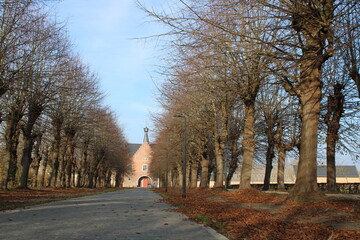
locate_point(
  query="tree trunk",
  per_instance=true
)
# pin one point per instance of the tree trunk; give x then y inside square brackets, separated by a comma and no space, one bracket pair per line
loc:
[118,177]
[94,171]
[188,170]
[282,148]
[45,163]
[353,60]
[62,167]
[73,176]
[235,153]
[55,168]
[248,145]
[355,75]
[96,180]
[37,162]
[91,180]
[29,138]
[108,178]
[233,164]
[330,164]
[57,125]
[268,168]
[26,161]
[37,159]
[317,46]
[70,155]
[173,178]
[281,169]
[219,161]
[335,109]
[220,136]
[204,181]
[193,174]
[270,154]
[11,147]
[281,156]
[83,165]
[306,179]
[78,178]
[12,133]
[69,162]
[179,175]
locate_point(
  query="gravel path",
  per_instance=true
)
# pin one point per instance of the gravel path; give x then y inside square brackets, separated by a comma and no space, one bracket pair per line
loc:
[126,215]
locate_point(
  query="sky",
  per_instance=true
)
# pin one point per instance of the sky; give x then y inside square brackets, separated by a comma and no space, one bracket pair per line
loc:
[105,33]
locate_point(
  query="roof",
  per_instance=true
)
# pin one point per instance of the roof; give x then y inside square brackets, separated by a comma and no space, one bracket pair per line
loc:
[133,147]
[258,174]
[341,171]
[290,172]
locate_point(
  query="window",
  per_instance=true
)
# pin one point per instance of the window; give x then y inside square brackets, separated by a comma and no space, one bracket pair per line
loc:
[145,159]
[145,168]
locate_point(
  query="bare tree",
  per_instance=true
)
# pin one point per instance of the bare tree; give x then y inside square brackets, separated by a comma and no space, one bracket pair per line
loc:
[285,140]
[349,42]
[43,82]
[15,104]
[48,47]
[15,16]
[108,153]
[83,96]
[236,128]
[308,39]
[340,103]
[15,20]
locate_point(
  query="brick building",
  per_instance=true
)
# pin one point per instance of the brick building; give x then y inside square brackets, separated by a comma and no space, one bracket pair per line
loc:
[141,160]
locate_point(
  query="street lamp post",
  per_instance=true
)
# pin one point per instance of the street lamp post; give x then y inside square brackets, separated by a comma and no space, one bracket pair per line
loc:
[184,160]
[167,171]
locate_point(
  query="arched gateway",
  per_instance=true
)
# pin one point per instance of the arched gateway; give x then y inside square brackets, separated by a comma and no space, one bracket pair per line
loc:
[144,181]
[139,167]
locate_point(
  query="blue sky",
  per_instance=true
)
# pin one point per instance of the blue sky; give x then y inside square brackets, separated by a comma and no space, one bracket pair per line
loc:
[103,34]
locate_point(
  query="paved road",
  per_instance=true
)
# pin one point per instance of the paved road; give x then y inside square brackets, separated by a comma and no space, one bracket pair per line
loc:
[126,215]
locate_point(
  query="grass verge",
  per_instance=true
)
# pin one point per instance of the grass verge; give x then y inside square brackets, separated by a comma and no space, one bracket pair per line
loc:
[20,198]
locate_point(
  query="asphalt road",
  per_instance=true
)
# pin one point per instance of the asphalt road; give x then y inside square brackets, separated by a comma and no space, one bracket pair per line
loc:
[126,215]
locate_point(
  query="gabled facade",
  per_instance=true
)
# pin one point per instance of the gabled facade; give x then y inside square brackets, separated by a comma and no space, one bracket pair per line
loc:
[141,160]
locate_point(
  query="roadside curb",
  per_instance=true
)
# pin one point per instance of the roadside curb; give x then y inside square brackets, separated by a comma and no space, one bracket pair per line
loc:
[214,233]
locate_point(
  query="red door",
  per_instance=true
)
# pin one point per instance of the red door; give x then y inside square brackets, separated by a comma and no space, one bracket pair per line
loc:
[145,182]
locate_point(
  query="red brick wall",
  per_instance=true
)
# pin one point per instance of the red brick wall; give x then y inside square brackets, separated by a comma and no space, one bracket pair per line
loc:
[141,157]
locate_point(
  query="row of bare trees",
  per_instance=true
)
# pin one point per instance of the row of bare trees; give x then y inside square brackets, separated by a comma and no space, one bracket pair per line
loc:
[55,130]
[258,79]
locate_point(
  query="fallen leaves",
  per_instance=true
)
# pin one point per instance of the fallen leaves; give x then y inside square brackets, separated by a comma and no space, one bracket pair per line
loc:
[250,214]
[16,198]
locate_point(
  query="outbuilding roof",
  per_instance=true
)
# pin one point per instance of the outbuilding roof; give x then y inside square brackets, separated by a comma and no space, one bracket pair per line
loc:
[341,171]
[290,172]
